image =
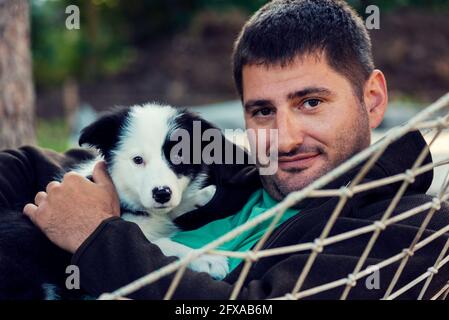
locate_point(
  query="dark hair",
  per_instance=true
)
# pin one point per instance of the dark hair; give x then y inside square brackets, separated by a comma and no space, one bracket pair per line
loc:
[284,29]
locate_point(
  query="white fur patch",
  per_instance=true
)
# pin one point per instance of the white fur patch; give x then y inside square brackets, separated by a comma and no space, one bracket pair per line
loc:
[144,136]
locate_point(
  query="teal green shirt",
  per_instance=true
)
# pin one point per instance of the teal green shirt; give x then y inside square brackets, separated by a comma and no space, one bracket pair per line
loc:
[259,202]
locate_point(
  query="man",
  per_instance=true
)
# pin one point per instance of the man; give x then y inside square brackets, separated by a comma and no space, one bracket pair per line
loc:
[304,68]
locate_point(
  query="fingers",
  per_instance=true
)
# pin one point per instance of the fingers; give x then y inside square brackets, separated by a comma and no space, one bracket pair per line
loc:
[72,176]
[100,174]
[40,197]
[30,211]
[52,185]
[31,208]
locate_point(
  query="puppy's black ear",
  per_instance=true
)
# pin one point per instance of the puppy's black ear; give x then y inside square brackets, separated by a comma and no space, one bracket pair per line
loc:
[228,153]
[104,133]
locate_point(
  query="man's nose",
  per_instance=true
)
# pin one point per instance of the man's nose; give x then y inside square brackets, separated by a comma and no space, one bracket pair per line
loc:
[290,132]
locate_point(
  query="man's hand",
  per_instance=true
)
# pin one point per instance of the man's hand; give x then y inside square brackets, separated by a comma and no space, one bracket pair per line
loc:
[70,211]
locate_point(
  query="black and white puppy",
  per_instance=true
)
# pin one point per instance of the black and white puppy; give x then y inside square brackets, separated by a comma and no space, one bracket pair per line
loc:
[155,185]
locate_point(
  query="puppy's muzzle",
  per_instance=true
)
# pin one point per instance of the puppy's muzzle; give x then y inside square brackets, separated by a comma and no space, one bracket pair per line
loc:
[162,194]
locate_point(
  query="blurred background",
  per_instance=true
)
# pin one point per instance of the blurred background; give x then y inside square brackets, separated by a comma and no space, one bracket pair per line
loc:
[178,52]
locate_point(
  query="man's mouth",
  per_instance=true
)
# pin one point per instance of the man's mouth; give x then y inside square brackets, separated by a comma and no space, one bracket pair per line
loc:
[299,161]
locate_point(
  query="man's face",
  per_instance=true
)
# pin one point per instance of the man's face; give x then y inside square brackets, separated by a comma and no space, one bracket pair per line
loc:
[319,119]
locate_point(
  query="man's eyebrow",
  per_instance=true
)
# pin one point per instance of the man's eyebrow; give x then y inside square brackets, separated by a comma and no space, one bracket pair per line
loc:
[294,95]
[257,103]
[308,91]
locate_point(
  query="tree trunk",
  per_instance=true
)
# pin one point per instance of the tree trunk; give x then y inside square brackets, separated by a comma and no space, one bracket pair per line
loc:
[16,87]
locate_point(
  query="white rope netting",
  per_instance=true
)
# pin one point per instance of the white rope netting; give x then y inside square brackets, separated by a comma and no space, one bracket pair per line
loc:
[432,121]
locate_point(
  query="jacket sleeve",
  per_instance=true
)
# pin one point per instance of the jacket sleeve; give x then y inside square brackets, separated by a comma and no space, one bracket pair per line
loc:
[117,253]
[28,170]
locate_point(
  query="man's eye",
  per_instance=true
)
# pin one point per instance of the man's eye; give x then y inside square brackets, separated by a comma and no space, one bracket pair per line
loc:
[311,103]
[262,112]
[138,160]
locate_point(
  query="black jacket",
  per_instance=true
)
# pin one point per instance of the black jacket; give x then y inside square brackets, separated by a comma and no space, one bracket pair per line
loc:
[118,252]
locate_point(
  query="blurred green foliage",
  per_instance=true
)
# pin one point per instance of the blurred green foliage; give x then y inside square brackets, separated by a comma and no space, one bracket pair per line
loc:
[53,134]
[112,29]
[58,53]
[387,5]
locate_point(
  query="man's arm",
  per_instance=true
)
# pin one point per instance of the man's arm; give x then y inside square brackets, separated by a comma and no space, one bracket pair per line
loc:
[118,253]
[82,217]
[27,170]
[17,181]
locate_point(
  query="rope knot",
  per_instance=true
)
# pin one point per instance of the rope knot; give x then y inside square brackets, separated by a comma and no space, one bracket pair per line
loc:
[409,176]
[290,296]
[251,256]
[346,192]
[351,280]
[433,270]
[436,204]
[408,252]
[318,245]
[380,225]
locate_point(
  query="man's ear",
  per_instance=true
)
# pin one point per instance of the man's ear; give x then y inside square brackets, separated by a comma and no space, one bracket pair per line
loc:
[103,134]
[376,98]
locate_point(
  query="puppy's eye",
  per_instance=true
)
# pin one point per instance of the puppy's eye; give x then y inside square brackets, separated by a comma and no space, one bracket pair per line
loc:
[138,160]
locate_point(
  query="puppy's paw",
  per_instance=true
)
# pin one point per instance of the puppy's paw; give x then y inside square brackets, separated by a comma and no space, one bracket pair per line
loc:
[215,265]
[205,195]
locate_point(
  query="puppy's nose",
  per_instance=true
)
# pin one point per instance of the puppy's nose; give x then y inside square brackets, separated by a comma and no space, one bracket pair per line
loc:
[162,194]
